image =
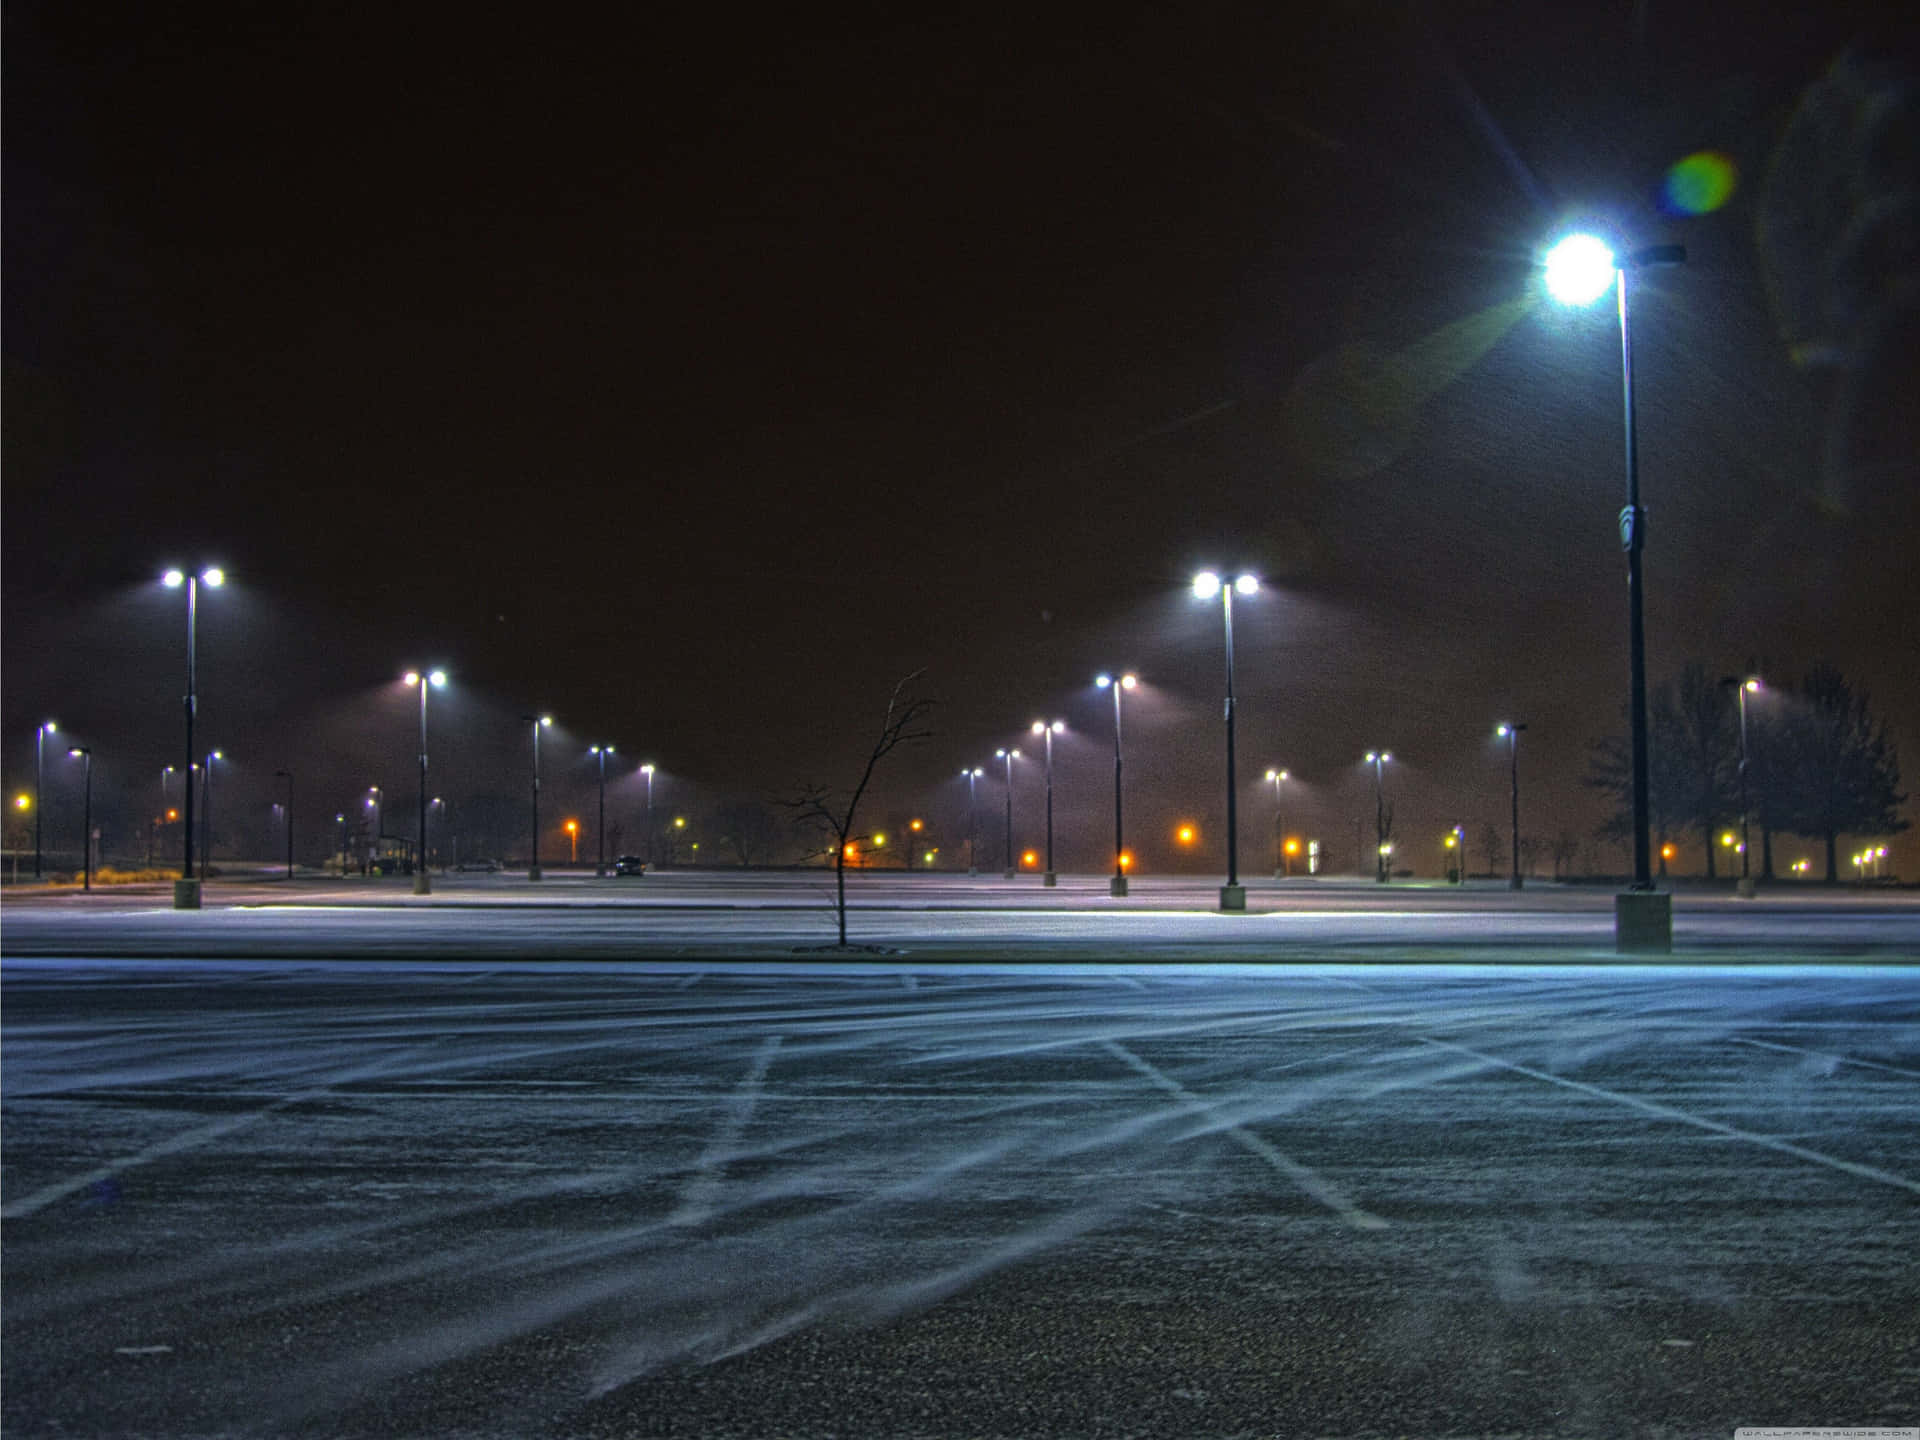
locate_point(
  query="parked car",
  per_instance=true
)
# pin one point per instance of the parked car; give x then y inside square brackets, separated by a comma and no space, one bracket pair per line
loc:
[485,866]
[629,865]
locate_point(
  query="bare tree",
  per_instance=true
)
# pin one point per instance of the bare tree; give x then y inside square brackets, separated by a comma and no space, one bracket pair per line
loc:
[830,812]
[1492,847]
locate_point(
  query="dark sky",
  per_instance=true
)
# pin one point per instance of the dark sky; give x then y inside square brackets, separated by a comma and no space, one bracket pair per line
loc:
[696,376]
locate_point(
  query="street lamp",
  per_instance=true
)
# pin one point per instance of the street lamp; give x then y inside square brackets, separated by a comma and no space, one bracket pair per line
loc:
[647,770]
[438,811]
[1041,727]
[436,679]
[287,775]
[1281,868]
[573,841]
[601,752]
[973,825]
[186,891]
[39,764]
[1233,895]
[1744,688]
[1579,271]
[1117,887]
[165,771]
[1379,759]
[341,821]
[1009,756]
[1510,732]
[206,810]
[85,752]
[539,723]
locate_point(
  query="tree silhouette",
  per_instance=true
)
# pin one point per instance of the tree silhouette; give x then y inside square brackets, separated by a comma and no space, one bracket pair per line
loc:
[1836,770]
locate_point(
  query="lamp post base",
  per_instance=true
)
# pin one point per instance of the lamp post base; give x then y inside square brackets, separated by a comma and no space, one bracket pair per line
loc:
[186,894]
[1643,923]
[1233,897]
[1006,875]
[533,872]
[972,874]
[1745,888]
[422,883]
[1049,879]
[1117,887]
[1515,883]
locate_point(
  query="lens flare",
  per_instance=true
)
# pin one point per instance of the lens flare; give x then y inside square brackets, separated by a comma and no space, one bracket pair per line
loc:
[1699,184]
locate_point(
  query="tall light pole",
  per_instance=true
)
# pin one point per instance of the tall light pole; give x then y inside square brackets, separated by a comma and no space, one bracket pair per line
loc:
[539,723]
[1744,688]
[435,679]
[165,771]
[376,799]
[186,891]
[1009,756]
[1233,895]
[1281,869]
[1117,887]
[973,823]
[206,810]
[647,770]
[39,765]
[287,775]
[1579,270]
[601,752]
[85,752]
[1510,732]
[341,821]
[1379,759]
[1041,727]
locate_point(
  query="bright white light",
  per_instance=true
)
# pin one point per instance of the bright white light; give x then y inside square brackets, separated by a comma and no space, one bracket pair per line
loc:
[76,752]
[438,679]
[1753,687]
[412,677]
[1127,682]
[51,727]
[215,577]
[646,769]
[173,579]
[1206,585]
[1580,269]
[1039,727]
[1503,731]
[1246,584]
[546,720]
[1103,681]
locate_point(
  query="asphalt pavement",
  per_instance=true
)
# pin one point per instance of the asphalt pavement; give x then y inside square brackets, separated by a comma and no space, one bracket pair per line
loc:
[459,1195]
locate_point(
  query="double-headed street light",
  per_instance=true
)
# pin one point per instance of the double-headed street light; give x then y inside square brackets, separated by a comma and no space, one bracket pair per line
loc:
[1117,887]
[647,770]
[539,723]
[1744,688]
[434,679]
[1281,868]
[186,892]
[1379,760]
[973,825]
[1579,270]
[1510,732]
[600,752]
[1206,585]
[39,765]
[287,775]
[206,810]
[1009,756]
[1041,727]
[85,752]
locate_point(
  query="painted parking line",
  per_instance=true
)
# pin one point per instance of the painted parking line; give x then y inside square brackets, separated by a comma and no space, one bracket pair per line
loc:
[1313,1183]
[1667,1112]
[1823,1055]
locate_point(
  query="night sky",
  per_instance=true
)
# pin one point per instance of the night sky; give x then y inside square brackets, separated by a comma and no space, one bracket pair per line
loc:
[695,377]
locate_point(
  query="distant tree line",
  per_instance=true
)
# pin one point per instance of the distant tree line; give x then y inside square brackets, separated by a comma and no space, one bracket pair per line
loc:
[1819,765]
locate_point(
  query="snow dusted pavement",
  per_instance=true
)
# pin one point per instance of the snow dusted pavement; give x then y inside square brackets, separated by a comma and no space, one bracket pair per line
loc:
[248,1198]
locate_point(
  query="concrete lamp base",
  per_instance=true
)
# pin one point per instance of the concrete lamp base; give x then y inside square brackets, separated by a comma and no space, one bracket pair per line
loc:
[1117,887]
[186,894]
[1006,875]
[1233,897]
[1745,888]
[422,885]
[533,873]
[1049,879]
[1643,923]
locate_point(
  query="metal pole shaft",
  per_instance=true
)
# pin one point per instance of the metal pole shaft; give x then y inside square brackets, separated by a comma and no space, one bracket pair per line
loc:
[1050,800]
[534,870]
[1010,856]
[86,830]
[1513,794]
[39,763]
[1745,853]
[186,811]
[1119,842]
[1233,809]
[601,827]
[1634,523]
[422,859]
